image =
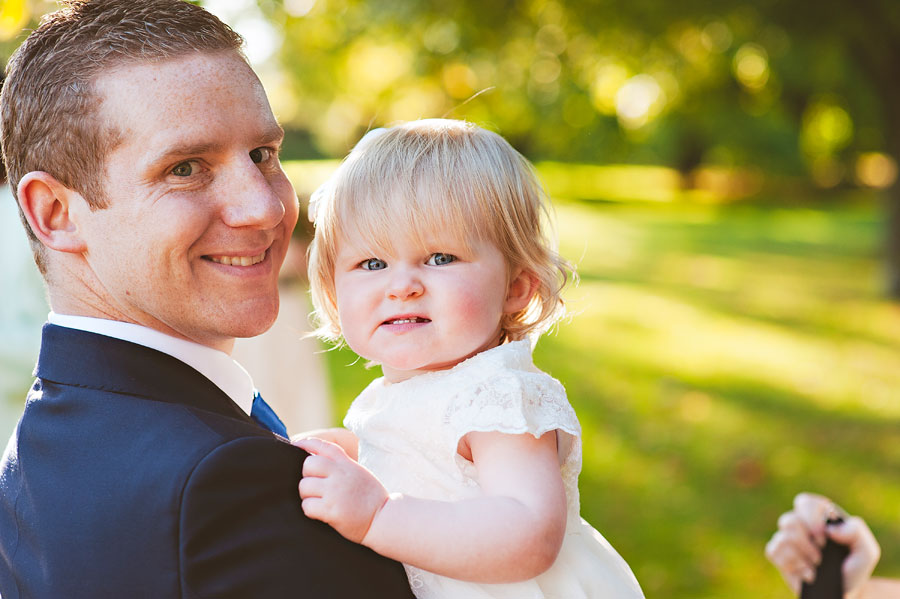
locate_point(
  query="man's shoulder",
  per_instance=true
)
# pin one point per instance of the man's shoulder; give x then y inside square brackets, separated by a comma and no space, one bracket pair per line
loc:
[259,523]
[106,435]
[97,481]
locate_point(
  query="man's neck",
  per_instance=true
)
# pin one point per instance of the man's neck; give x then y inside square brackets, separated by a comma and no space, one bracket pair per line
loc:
[86,303]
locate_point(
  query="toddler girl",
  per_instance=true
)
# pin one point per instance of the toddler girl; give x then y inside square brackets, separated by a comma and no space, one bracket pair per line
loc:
[462,461]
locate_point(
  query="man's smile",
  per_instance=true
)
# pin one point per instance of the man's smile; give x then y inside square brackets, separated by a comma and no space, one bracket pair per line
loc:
[237,260]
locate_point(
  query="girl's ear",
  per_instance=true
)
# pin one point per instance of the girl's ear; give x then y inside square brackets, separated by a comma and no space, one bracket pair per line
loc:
[46,205]
[522,287]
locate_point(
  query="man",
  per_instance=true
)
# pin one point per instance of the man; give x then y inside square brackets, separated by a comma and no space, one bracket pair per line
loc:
[144,156]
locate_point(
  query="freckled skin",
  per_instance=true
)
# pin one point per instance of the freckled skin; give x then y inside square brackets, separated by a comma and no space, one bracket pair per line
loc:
[147,258]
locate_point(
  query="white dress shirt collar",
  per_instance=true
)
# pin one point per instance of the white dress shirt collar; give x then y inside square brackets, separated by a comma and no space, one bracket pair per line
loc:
[217,366]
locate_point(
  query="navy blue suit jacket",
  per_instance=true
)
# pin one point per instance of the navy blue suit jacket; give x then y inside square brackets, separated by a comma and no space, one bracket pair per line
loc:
[132,475]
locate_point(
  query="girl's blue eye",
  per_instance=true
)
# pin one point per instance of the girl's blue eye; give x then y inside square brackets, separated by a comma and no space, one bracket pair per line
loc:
[440,259]
[373,264]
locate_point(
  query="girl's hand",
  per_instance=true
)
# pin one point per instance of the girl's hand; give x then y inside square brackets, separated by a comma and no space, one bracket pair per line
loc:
[338,491]
[340,436]
[795,549]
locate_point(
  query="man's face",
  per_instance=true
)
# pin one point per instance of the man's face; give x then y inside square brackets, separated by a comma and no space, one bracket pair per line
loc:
[199,210]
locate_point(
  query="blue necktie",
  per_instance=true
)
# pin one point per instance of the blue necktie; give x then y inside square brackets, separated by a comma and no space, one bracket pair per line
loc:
[266,417]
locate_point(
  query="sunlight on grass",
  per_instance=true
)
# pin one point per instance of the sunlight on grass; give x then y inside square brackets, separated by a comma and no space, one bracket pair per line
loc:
[611,182]
[704,344]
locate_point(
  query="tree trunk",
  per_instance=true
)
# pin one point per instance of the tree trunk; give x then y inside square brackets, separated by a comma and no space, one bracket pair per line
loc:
[892,244]
[876,53]
[890,95]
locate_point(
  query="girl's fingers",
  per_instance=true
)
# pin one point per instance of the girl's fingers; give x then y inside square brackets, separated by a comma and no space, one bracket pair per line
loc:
[310,445]
[321,447]
[313,508]
[317,466]
[324,457]
[310,487]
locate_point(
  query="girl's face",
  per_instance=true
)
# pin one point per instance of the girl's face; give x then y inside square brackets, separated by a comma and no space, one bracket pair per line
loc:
[418,309]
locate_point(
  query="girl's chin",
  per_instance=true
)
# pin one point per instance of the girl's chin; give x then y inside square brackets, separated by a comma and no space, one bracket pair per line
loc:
[395,372]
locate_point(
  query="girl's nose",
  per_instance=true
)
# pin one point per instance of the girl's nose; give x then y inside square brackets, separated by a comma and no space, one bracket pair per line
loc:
[404,285]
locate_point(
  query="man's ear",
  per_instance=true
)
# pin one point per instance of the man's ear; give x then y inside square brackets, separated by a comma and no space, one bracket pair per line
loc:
[46,205]
[522,287]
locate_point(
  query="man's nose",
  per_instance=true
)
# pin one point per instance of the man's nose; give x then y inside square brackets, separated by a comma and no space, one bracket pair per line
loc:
[250,198]
[405,284]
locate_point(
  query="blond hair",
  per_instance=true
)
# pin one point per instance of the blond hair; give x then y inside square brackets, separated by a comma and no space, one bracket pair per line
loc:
[438,176]
[50,110]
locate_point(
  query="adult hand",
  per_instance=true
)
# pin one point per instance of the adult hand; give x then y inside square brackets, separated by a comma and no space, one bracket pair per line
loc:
[337,490]
[795,549]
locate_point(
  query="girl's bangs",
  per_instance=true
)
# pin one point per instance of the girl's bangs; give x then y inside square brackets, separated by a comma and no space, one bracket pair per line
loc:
[420,209]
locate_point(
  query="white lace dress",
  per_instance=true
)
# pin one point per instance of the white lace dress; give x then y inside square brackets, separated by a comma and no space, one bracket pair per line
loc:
[408,435]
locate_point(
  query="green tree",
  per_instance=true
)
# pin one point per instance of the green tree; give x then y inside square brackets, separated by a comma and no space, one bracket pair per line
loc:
[836,69]
[795,88]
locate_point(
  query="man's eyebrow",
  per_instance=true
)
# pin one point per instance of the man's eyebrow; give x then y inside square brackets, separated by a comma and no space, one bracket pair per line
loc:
[272,134]
[184,151]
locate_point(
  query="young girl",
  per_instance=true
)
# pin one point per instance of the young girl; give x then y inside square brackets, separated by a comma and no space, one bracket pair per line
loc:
[462,461]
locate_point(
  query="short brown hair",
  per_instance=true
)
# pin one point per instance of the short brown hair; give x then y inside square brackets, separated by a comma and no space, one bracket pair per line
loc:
[49,107]
[438,175]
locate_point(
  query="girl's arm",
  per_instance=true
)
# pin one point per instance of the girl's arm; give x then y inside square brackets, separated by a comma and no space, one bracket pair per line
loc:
[512,533]
[339,436]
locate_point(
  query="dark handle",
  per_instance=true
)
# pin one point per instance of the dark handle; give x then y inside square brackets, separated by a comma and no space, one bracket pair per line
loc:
[829,581]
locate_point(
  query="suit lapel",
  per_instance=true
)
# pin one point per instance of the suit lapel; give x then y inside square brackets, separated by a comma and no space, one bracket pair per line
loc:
[94,361]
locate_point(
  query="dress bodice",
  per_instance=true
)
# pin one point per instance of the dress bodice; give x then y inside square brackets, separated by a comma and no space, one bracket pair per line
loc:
[409,433]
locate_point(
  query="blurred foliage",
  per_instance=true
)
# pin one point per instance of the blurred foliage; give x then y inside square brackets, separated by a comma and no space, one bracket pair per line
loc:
[774,85]
[794,88]
[721,358]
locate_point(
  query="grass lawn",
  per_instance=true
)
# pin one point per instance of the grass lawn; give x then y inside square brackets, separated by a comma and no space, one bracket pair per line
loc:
[720,360]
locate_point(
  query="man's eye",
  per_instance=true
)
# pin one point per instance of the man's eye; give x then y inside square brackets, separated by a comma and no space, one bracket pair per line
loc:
[185,169]
[373,264]
[260,155]
[440,259]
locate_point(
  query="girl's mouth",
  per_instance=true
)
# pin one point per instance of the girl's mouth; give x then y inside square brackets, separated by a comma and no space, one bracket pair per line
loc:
[406,320]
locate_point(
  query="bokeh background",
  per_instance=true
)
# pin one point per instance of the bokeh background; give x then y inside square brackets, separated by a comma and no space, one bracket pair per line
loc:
[724,175]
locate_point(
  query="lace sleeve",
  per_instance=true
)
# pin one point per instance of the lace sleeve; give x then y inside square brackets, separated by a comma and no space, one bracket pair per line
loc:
[361,408]
[514,402]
